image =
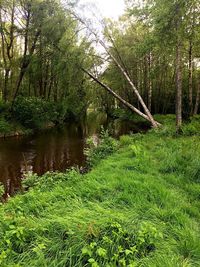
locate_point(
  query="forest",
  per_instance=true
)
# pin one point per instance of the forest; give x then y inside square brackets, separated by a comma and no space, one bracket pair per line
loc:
[99,134]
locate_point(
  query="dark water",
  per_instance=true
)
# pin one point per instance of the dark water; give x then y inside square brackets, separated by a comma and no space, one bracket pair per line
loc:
[55,149]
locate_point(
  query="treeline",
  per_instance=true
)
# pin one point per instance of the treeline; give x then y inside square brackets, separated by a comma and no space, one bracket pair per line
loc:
[158,44]
[40,55]
[153,53]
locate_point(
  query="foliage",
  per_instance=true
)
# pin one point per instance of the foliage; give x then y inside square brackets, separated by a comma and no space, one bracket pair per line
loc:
[32,112]
[146,194]
[104,147]
[47,83]
[35,113]
[4,108]
[168,127]
[48,180]
[146,48]
[1,191]
[122,114]
[5,126]
[115,246]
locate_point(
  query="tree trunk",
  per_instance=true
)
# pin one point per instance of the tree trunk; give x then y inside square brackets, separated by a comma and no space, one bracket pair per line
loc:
[25,64]
[140,99]
[7,50]
[46,80]
[178,88]
[149,83]
[40,81]
[5,89]
[145,79]
[6,68]
[190,78]
[197,99]
[125,103]
[124,72]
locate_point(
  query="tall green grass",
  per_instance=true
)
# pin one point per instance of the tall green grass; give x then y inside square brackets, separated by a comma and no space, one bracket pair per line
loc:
[138,207]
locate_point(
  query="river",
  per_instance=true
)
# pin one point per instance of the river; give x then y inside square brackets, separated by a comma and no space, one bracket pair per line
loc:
[55,149]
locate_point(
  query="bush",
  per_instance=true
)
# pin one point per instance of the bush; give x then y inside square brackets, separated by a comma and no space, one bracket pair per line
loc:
[96,151]
[76,107]
[115,246]
[5,127]
[168,127]
[4,108]
[48,180]
[122,114]
[33,112]
[60,113]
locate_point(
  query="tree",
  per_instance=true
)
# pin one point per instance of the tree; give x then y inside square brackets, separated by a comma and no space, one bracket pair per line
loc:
[123,71]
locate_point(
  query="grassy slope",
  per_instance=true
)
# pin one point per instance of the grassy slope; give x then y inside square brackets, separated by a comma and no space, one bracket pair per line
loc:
[152,178]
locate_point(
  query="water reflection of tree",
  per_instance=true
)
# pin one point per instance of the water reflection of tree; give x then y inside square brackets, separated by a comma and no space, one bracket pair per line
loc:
[54,150]
[57,149]
[61,150]
[10,174]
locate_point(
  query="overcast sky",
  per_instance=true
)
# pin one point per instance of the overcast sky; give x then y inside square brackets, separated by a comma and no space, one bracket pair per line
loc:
[108,8]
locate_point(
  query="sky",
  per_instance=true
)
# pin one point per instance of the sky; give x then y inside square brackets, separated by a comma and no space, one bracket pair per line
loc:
[108,8]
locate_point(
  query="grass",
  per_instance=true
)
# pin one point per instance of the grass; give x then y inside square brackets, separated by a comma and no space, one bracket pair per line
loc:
[138,207]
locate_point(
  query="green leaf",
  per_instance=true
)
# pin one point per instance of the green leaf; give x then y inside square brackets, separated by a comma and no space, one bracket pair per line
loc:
[86,251]
[128,252]
[101,252]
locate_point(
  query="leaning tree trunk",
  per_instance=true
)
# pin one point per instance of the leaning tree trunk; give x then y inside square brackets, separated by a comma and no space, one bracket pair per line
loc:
[124,72]
[127,77]
[178,87]
[124,102]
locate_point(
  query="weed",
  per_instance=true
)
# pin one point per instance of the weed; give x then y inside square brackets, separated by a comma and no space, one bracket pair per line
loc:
[106,146]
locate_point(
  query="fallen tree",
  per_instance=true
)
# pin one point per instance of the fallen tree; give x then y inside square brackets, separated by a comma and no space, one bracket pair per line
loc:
[118,97]
[147,114]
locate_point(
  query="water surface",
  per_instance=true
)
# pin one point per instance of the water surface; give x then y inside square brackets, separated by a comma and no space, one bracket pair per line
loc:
[54,150]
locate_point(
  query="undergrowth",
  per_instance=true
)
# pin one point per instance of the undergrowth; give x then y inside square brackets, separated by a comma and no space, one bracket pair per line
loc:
[137,207]
[105,146]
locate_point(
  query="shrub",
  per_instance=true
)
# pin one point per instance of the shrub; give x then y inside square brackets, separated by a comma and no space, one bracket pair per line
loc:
[122,114]
[5,126]
[4,108]
[115,246]
[106,146]
[76,107]
[35,113]
[48,180]
[60,112]
[30,112]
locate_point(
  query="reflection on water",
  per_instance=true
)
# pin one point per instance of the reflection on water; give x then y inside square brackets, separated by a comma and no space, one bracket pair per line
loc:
[55,149]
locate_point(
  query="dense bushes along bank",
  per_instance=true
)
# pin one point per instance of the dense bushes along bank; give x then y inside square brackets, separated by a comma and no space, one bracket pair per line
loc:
[138,207]
[31,113]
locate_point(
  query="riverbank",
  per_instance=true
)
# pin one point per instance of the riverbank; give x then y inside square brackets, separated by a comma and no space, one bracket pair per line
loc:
[138,207]
[14,129]
[31,114]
